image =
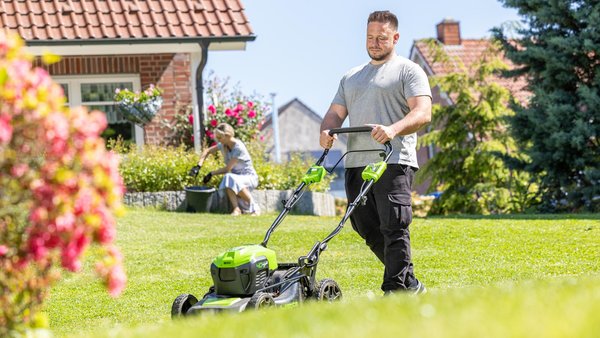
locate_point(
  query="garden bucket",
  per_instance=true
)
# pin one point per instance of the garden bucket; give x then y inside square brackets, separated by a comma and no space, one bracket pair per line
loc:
[199,199]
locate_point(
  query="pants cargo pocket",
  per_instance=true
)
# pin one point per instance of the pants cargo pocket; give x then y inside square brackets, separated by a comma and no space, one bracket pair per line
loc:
[400,213]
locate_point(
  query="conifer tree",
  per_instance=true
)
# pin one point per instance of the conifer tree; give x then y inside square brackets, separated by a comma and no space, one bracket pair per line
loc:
[558,50]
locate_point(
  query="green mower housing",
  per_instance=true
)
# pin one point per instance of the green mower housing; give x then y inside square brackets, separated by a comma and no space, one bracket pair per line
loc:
[242,270]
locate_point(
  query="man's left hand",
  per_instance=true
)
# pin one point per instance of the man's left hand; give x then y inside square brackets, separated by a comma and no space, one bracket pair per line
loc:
[381,133]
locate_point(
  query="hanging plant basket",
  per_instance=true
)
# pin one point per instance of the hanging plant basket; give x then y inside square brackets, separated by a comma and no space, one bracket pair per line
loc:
[140,112]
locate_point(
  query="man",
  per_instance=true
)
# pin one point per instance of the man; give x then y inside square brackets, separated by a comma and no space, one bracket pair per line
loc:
[392,95]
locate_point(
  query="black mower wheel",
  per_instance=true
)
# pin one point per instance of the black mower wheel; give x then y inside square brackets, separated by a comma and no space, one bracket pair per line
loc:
[182,304]
[260,300]
[328,290]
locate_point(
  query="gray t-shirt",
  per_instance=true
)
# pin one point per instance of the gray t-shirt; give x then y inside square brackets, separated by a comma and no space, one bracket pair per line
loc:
[239,151]
[377,94]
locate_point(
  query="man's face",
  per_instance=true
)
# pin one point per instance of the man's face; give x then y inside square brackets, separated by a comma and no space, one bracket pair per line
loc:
[381,39]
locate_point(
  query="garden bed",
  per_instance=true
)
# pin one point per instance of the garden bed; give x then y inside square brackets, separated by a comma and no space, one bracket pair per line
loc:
[311,203]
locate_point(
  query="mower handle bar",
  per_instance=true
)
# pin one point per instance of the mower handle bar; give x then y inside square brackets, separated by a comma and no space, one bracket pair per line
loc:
[365,129]
[289,203]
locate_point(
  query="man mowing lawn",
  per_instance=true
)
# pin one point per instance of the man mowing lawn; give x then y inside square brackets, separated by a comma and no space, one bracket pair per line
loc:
[391,94]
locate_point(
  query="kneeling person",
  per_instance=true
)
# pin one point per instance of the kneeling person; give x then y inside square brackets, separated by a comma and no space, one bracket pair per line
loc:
[239,176]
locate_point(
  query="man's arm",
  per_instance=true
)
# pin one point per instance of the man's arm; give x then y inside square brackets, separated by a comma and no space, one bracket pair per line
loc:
[419,116]
[333,119]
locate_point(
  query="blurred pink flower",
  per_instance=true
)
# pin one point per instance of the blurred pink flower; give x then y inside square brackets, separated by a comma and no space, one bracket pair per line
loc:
[116,280]
[74,249]
[106,234]
[238,108]
[191,118]
[228,112]
[111,269]
[5,129]
[3,250]
[19,170]
[212,109]
[65,222]
[252,114]
[250,104]
[214,123]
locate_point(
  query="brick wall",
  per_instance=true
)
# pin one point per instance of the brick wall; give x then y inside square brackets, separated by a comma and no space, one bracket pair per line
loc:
[170,72]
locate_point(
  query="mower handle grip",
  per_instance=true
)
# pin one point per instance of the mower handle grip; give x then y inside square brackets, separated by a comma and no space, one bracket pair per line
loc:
[365,129]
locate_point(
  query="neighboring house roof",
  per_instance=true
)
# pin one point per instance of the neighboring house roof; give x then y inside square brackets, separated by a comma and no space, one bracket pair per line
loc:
[296,103]
[468,52]
[300,105]
[125,21]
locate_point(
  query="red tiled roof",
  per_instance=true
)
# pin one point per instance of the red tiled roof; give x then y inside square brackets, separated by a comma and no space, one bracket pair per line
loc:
[468,52]
[48,21]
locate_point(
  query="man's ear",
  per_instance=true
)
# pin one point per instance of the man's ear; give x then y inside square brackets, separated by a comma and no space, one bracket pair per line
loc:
[396,37]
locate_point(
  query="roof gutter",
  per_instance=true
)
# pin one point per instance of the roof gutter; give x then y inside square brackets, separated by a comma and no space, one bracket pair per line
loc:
[117,41]
[199,133]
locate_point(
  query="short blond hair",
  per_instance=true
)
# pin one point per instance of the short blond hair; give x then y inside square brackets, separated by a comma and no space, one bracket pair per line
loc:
[225,129]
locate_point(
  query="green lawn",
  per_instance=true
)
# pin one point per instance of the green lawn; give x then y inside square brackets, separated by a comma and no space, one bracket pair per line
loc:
[512,276]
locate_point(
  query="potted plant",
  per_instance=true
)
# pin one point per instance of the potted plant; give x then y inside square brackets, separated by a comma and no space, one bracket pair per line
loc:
[139,107]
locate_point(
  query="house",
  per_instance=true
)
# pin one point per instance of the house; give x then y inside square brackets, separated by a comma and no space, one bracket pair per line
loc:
[110,44]
[299,128]
[467,51]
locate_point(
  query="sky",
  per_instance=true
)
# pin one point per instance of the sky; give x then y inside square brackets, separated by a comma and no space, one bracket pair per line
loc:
[303,48]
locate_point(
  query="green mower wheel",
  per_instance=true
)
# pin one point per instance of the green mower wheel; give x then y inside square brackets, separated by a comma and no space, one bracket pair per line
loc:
[260,300]
[182,304]
[328,290]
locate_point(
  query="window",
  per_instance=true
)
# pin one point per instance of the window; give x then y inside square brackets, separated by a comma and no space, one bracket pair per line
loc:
[96,93]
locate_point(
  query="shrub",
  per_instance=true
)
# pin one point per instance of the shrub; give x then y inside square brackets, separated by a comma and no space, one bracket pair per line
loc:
[244,113]
[180,127]
[285,175]
[58,189]
[421,204]
[472,140]
[156,168]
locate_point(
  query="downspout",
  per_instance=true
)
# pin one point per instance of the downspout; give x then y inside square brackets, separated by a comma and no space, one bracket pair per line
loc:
[199,125]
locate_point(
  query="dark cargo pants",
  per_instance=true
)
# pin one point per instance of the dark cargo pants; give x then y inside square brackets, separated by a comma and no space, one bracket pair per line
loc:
[383,221]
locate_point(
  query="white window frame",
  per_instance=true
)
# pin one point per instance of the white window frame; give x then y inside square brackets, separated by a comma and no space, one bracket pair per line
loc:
[74,82]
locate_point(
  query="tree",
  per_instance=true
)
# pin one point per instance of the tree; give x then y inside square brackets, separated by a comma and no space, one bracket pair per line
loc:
[558,51]
[471,139]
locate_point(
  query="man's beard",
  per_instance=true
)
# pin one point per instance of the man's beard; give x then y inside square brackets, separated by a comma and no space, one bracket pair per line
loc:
[380,57]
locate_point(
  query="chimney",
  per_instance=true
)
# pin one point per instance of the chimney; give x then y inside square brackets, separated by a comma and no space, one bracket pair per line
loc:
[448,32]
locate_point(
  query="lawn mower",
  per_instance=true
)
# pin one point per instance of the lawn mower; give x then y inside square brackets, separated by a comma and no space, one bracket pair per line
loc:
[249,277]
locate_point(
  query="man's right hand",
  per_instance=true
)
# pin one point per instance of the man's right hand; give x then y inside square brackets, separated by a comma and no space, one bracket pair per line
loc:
[326,140]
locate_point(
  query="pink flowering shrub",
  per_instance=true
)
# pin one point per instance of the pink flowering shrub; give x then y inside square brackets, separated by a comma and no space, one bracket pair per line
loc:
[59,188]
[244,113]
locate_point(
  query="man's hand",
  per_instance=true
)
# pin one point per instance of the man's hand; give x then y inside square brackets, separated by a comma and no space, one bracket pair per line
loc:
[381,133]
[326,140]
